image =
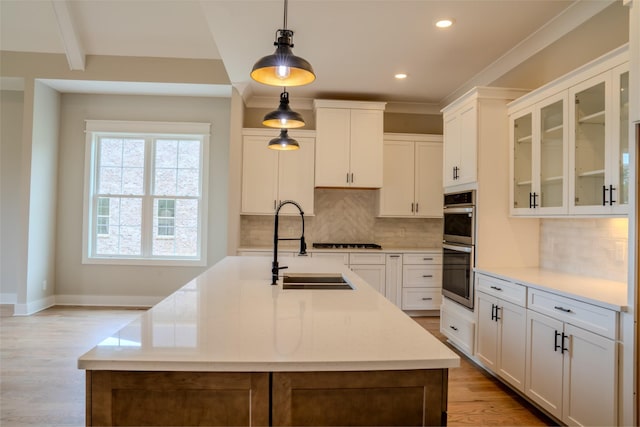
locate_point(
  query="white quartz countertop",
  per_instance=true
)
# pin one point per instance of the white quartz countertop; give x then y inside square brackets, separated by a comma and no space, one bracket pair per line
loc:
[311,250]
[605,293]
[231,319]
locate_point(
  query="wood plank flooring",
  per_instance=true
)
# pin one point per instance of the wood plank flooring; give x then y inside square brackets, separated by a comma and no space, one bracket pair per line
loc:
[40,384]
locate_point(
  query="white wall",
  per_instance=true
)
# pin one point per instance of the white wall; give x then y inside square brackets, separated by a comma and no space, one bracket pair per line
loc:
[11,106]
[131,285]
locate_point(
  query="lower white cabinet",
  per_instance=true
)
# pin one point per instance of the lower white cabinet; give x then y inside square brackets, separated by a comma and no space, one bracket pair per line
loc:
[421,281]
[501,339]
[393,279]
[372,274]
[571,372]
[457,323]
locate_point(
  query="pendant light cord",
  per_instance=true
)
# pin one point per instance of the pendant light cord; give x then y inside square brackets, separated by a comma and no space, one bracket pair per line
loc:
[285,14]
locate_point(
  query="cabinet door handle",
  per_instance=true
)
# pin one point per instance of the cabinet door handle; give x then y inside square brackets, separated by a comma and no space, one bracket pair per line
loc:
[411,207]
[496,288]
[556,346]
[604,195]
[535,202]
[566,310]
[427,275]
[417,207]
[274,204]
[497,316]
[352,177]
[493,312]
[427,299]
[453,327]
[347,177]
[563,348]
[611,190]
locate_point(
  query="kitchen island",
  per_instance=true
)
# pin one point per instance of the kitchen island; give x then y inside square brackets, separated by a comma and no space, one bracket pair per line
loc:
[230,349]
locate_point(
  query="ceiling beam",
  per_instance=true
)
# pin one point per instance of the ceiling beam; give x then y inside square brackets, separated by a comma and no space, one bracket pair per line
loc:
[72,45]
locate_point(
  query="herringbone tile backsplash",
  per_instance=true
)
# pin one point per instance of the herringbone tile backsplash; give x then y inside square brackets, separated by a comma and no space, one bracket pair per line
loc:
[344,216]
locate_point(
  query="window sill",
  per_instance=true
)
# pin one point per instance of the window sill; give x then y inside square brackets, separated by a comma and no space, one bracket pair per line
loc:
[165,262]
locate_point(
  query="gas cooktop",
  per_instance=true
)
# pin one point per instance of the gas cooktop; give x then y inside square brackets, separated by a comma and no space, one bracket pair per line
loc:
[346,246]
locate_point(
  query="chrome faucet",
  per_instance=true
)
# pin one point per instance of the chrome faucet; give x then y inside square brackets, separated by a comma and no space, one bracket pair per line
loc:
[275,268]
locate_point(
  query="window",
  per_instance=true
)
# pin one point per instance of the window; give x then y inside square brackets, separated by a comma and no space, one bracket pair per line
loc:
[145,192]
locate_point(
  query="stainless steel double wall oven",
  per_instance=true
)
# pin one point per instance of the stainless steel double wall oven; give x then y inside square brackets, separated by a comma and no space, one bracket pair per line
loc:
[458,247]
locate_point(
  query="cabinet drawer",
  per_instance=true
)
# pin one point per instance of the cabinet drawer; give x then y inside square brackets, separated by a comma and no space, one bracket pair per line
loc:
[342,257]
[459,331]
[366,258]
[507,291]
[418,276]
[423,258]
[588,316]
[421,299]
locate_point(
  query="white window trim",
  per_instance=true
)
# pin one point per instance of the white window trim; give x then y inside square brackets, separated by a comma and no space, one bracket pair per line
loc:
[93,127]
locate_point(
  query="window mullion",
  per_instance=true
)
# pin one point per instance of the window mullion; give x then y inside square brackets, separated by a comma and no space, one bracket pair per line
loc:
[147,203]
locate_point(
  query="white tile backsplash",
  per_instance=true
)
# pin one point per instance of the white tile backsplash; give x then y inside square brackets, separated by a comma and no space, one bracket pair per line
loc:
[344,216]
[586,246]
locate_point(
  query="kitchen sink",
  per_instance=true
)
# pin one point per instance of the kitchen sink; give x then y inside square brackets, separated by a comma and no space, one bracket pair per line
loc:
[314,281]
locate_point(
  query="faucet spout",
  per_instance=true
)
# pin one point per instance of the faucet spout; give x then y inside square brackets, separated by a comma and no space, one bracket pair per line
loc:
[275,267]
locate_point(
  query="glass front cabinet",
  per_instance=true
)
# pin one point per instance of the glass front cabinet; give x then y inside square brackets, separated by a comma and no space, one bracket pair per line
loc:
[599,145]
[570,149]
[539,158]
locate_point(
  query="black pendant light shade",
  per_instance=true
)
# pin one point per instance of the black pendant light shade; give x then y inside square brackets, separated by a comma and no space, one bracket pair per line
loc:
[283,68]
[284,142]
[284,117]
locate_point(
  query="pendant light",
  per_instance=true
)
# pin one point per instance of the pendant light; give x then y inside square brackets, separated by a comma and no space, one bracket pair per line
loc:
[284,142]
[284,117]
[283,68]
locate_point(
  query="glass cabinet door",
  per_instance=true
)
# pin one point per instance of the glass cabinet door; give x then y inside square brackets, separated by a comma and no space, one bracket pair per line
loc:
[589,148]
[622,198]
[522,162]
[552,143]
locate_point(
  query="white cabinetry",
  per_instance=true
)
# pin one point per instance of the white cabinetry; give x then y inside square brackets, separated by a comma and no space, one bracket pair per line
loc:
[412,183]
[270,176]
[571,371]
[421,281]
[570,144]
[393,278]
[472,124]
[460,136]
[349,136]
[500,343]
[457,323]
[369,266]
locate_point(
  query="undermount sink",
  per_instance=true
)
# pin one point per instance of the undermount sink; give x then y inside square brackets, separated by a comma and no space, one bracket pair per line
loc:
[314,281]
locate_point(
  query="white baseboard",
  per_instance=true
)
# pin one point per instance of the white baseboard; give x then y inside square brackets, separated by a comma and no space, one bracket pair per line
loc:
[33,307]
[108,300]
[7,298]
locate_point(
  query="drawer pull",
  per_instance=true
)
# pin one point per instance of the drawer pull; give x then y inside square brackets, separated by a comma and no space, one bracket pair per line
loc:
[427,259]
[394,256]
[496,288]
[427,275]
[453,327]
[427,299]
[566,310]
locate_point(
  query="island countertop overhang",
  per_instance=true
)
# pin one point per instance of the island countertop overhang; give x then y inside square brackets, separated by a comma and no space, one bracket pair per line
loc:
[230,319]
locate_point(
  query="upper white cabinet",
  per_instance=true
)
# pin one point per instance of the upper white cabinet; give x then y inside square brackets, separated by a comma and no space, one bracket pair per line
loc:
[349,137]
[412,184]
[539,151]
[271,176]
[460,135]
[570,144]
[470,122]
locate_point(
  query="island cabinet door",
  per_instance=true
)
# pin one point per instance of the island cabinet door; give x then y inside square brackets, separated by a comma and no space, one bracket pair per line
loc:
[123,398]
[372,398]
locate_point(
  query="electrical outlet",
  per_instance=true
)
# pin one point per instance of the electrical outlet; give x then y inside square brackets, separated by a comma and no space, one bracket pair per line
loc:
[44,285]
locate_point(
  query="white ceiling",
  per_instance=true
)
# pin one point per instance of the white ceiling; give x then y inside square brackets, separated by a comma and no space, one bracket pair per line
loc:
[355,46]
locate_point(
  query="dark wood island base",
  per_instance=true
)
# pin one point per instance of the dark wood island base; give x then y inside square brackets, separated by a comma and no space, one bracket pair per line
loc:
[128,398]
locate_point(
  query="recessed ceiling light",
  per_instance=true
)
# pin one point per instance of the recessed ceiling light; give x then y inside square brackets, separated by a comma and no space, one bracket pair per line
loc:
[400,76]
[444,23]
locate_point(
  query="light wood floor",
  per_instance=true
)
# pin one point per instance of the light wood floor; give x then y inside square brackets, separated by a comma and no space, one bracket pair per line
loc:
[40,384]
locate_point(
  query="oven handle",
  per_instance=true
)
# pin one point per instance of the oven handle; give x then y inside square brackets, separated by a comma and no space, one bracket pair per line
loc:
[457,248]
[458,210]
